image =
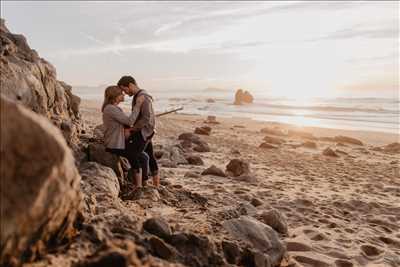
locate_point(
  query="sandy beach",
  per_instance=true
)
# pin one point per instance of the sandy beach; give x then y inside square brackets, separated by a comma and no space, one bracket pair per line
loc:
[341,210]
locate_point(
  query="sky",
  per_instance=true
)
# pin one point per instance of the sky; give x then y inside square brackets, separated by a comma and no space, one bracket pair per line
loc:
[289,48]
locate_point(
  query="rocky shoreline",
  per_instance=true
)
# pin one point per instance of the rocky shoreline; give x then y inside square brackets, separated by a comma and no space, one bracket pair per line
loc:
[234,193]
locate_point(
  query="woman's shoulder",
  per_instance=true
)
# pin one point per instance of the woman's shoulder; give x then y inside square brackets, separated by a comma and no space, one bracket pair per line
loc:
[111,108]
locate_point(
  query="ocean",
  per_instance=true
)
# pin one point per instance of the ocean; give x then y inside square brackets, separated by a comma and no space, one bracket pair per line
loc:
[371,114]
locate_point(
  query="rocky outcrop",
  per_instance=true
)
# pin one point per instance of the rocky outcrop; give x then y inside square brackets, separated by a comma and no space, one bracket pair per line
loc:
[42,194]
[31,81]
[243,97]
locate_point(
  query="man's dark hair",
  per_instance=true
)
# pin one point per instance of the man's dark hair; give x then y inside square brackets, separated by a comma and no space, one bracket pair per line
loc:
[125,80]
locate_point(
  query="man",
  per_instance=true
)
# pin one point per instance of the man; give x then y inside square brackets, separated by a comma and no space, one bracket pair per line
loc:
[143,129]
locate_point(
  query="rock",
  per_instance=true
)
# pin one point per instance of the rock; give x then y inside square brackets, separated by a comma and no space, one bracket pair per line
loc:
[158,226]
[276,220]
[98,153]
[176,155]
[237,167]
[186,144]
[349,140]
[246,209]
[189,137]
[192,175]
[211,120]
[273,140]
[329,152]
[273,131]
[213,170]
[194,160]
[327,139]
[243,97]
[204,130]
[231,251]
[392,148]
[167,163]
[302,134]
[267,146]
[260,236]
[31,81]
[101,183]
[256,202]
[196,250]
[210,100]
[161,249]
[158,154]
[42,196]
[255,258]
[117,253]
[309,144]
[202,147]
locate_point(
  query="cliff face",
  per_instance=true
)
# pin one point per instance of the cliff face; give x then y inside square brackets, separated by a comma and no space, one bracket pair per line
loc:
[28,79]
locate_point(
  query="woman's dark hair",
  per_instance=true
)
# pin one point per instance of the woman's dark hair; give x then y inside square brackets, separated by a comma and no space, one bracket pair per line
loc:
[125,80]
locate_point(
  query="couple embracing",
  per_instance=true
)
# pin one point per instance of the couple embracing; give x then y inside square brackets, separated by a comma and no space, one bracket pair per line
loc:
[130,136]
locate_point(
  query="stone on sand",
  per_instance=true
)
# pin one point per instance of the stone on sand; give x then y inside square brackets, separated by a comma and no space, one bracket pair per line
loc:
[214,170]
[203,130]
[276,220]
[273,140]
[267,146]
[260,236]
[349,140]
[329,152]
[158,226]
[237,167]
[194,160]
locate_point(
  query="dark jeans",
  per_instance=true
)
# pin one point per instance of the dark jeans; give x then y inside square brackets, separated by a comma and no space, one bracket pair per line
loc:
[137,159]
[152,160]
[136,145]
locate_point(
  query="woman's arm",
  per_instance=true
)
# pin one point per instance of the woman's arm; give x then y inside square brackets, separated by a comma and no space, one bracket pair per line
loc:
[118,115]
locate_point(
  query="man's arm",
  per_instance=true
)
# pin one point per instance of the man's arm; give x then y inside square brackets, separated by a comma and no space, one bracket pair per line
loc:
[145,114]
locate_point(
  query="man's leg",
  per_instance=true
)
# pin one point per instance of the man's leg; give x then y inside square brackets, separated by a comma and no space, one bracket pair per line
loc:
[135,146]
[153,164]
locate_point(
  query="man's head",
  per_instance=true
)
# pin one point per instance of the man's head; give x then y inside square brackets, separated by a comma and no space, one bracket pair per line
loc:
[128,85]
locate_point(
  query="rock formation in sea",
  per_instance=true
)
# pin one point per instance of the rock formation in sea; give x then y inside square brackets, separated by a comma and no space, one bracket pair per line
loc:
[243,97]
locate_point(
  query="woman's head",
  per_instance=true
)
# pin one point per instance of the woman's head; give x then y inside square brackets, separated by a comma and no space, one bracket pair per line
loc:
[112,95]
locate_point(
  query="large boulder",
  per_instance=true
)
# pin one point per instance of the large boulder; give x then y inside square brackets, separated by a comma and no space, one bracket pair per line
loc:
[243,97]
[32,81]
[40,194]
[98,153]
[259,236]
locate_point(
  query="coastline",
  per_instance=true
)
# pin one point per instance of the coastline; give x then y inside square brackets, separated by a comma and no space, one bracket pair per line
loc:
[369,137]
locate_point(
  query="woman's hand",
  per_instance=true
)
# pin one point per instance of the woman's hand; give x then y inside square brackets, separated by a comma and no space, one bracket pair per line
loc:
[127,132]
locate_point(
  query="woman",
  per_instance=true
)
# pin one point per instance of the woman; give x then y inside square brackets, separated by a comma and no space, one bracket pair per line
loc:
[114,120]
